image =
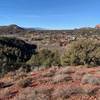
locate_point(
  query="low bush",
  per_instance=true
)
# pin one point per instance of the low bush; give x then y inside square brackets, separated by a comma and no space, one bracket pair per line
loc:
[82,52]
[14,53]
[48,74]
[27,94]
[88,78]
[45,58]
[34,94]
[5,68]
[61,78]
[66,92]
[24,82]
[19,75]
[90,89]
[65,70]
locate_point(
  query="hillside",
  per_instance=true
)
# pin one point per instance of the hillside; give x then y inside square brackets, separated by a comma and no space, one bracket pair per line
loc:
[49,64]
[11,29]
[68,83]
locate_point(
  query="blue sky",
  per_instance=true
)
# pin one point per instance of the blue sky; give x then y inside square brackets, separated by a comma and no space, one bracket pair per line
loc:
[59,14]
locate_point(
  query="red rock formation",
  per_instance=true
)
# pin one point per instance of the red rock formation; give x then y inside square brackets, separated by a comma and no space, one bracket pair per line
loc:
[97,26]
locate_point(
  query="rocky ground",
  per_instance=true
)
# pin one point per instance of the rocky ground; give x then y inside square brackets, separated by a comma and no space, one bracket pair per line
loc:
[67,83]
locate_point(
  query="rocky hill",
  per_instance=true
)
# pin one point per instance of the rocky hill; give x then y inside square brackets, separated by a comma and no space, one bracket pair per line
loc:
[11,29]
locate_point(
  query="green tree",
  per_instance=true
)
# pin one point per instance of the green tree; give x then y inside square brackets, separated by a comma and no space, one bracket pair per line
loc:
[82,52]
[46,58]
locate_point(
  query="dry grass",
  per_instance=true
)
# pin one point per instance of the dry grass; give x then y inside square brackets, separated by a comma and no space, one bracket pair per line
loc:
[88,78]
[48,74]
[55,84]
[27,94]
[66,70]
[61,77]
[66,92]
[90,89]
[24,82]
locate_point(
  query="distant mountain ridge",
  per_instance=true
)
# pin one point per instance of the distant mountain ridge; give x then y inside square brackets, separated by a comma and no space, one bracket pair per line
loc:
[11,29]
[15,29]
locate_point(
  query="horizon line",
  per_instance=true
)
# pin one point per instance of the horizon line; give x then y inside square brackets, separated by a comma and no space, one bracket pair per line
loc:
[47,28]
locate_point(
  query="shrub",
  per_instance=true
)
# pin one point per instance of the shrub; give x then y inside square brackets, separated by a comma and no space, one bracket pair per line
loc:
[5,68]
[61,77]
[14,52]
[27,94]
[46,58]
[24,82]
[90,89]
[48,74]
[82,52]
[34,94]
[88,78]
[65,70]
[19,75]
[66,92]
